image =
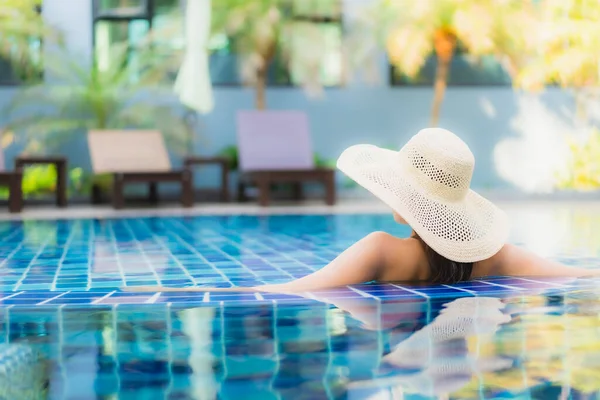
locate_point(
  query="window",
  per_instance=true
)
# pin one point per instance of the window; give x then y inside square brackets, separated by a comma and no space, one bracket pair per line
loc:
[311,22]
[118,22]
[315,28]
[25,62]
[465,70]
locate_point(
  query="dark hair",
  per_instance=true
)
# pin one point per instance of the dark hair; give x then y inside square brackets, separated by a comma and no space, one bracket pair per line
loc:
[442,270]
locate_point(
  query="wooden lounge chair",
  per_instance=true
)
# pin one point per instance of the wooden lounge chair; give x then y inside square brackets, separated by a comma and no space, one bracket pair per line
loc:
[13,180]
[276,147]
[136,157]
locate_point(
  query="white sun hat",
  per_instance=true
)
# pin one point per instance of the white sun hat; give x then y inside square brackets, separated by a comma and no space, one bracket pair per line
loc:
[427,183]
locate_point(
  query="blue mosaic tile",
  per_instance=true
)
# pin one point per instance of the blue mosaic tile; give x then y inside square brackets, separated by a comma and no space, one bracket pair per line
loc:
[86,260]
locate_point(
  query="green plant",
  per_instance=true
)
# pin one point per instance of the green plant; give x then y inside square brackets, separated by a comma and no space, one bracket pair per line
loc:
[231,153]
[321,162]
[412,31]
[40,180]
[262,30]
[21,29]
[582,170]
[81,181]
[97,96]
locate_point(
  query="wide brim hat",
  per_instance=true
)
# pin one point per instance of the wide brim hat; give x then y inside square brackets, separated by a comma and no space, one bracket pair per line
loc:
[427,183]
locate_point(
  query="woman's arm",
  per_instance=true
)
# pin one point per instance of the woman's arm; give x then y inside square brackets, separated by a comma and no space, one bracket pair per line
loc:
[519,262]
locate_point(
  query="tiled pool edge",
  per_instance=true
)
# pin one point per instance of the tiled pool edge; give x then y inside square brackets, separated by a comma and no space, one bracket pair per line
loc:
[496,287]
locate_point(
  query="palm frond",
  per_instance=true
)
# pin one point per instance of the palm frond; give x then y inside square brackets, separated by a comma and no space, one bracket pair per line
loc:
[89,97]
[163,117]
[20,26]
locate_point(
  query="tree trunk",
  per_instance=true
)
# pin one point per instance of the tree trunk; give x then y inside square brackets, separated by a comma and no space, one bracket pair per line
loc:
[260,87]
[444,44]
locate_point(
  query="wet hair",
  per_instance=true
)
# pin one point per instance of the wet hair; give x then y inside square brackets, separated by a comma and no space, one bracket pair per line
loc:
[441,269]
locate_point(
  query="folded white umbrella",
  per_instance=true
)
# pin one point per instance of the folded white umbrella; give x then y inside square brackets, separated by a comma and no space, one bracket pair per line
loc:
[193,81]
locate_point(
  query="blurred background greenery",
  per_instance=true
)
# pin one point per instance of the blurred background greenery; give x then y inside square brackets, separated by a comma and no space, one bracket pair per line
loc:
[128,83]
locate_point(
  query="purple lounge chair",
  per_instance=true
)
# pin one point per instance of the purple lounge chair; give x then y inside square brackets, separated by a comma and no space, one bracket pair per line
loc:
[276,147]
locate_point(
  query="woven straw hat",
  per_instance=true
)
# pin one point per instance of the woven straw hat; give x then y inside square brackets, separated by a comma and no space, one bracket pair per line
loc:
[427,183]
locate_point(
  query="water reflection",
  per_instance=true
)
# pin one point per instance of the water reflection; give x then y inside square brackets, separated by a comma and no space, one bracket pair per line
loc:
[437,359]
[468,348]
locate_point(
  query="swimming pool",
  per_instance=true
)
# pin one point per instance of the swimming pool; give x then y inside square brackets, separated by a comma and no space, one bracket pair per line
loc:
[70,333]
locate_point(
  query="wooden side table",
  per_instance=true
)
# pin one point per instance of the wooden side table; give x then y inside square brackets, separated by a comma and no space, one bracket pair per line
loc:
[61,173]
[14,181]
[223,162]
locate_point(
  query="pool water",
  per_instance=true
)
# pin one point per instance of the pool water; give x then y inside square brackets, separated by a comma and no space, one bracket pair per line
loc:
[69,332]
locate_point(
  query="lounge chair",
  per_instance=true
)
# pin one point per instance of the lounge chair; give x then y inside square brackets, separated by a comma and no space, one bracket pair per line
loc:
[13,180]
[136,157]
[276,147]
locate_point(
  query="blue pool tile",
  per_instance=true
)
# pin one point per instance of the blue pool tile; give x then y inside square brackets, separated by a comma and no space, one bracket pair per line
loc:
[33,287]
[442,292]
[61,300]
[11,301]
[101,256]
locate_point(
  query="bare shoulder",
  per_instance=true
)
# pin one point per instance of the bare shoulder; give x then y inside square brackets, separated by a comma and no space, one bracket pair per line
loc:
[403,259]
[516,261]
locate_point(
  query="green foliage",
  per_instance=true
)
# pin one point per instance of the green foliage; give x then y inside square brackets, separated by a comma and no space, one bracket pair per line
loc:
[231,153]
[321,162]
[103,181]
[40,181]
[21,29]
[583,165]
[96,96]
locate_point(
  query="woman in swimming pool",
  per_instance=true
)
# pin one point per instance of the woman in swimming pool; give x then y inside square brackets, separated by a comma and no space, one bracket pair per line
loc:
[457,234]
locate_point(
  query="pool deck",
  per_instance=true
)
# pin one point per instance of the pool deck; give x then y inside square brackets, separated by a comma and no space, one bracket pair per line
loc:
[344,206]
[384,293]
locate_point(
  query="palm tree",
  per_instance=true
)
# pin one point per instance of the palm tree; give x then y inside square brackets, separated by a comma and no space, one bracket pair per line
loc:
[264,30]
[84,97]
[412,31]
[22,28]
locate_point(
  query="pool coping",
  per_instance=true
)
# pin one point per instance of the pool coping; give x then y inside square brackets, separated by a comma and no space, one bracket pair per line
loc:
[381,292]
